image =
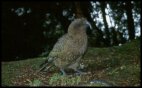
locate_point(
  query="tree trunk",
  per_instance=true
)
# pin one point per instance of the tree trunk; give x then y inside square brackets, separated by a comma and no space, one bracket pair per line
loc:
[130,21]
[103,5]
[78,11]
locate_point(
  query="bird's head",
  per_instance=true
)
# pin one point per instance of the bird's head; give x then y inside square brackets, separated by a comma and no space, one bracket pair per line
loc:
[79,26]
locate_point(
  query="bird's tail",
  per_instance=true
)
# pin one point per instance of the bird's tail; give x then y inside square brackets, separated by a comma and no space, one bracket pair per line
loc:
[46,64]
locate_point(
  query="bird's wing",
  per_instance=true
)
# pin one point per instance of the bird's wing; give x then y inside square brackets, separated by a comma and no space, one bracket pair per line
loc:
[56,52]
[64,48]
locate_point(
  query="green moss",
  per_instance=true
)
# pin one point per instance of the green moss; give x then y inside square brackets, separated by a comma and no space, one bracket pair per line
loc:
[57,79]
[13,69]
[126,73]
[35,82]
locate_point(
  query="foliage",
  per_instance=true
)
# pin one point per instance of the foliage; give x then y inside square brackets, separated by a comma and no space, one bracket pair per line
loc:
[29,29]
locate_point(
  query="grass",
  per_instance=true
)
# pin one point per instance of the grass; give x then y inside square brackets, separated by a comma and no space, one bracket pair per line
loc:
[118,65]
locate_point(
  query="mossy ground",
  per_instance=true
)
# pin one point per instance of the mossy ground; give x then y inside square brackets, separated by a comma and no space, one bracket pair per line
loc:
[118,65]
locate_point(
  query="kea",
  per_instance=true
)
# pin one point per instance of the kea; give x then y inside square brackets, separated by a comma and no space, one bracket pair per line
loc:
[70,48]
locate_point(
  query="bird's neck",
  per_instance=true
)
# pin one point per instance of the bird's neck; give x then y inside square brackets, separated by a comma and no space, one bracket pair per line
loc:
[79,38]
[78,34]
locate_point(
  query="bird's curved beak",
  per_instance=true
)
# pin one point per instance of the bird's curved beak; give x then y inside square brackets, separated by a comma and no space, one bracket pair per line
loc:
[88,28]
[88,25]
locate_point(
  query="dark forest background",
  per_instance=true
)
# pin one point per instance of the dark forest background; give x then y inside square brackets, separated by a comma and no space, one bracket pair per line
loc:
[30,29]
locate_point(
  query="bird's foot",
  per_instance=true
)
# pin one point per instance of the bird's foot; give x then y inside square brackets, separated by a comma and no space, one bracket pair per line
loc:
[63,72]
